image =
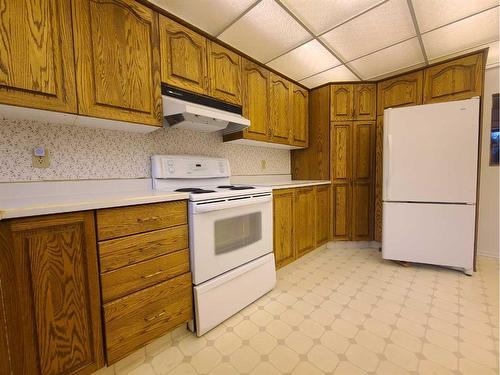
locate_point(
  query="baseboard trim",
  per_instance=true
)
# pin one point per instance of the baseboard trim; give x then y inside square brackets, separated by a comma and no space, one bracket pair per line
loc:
[488,254]
[354,245]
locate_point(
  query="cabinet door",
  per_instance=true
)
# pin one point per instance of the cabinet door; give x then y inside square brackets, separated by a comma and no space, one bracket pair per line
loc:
[400,91]
[379,141]
[183,57]
[455,80]
[300,116]
[224,68]
[280,109]
[361,211]
[256,101]
[304,220]
[341,195]
[322,214]
[284,250]
[363,142]
[341,152]
[118,60]
[36,55]
[365,99]
[342,99]
[50,290]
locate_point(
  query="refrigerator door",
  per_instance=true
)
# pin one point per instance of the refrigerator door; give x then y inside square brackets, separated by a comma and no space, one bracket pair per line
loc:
[441,234]
[430,152]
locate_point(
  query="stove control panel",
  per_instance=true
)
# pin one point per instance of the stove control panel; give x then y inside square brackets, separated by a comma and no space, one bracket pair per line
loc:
[186,166]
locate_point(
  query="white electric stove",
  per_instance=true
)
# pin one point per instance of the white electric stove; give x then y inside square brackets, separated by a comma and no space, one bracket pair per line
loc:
[230,232]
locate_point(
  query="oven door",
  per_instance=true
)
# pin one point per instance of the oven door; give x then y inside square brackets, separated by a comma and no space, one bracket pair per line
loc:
[225,234]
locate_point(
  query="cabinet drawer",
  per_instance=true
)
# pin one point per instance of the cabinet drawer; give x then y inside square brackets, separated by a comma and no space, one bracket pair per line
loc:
[133,321]
[123,221]
[120,252]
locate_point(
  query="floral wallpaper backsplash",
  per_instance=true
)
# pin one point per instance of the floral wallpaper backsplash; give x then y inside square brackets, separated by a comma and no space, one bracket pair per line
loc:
[78,153]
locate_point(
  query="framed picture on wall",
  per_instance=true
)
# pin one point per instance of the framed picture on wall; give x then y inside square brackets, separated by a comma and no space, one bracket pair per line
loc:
[495,131]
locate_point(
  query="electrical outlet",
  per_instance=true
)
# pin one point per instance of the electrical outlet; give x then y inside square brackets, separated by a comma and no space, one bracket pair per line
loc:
[263,164]
[41,161]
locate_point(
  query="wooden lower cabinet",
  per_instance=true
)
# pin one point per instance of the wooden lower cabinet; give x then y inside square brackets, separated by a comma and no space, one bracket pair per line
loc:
[341,196]
[284,249]
[49,286]
[322,214]
[304,213]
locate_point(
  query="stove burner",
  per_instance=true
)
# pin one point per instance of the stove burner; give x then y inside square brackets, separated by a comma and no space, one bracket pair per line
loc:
[225,186]
[241,187]
[188,190]
[202,191]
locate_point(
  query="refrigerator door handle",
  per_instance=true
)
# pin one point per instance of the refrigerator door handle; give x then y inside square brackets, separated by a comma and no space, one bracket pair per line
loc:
[388,172]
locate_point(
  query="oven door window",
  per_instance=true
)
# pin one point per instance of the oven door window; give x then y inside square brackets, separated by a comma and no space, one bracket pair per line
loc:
[236,232]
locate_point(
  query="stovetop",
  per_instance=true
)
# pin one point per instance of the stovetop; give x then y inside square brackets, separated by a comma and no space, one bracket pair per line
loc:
[220,191]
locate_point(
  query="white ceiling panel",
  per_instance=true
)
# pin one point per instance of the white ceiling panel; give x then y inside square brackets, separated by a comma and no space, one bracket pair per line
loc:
[385,25]
[265,32]
[338,74]
[322,15]
[306,60]
[391,59]
[493,55]
[468,33]
[434,13]
[211,16]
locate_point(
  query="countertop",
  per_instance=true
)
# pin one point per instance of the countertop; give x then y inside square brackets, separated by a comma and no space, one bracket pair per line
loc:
[276,181]
[41,198]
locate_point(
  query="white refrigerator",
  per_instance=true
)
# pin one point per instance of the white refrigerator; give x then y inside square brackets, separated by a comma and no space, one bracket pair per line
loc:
[429,184]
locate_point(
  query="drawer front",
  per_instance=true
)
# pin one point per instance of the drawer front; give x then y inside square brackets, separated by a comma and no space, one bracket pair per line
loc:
[135,320]
[120,252]
[124,221]
[126,280]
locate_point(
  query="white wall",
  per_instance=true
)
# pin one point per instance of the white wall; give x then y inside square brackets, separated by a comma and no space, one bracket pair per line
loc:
[488,231]
[85,153]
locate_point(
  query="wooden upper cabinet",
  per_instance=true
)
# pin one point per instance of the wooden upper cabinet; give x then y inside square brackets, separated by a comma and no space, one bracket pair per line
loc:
[284,250]
[304,220]
[224,68]
[342,99]
[50,293]
[454,80]
[365,99]
[280,109]
[118,60]
[36,55]
[300,116]
[256,101]
[183,57]
[400,91]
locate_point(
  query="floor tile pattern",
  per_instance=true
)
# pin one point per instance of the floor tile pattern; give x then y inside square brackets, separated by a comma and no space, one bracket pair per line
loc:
[346,311]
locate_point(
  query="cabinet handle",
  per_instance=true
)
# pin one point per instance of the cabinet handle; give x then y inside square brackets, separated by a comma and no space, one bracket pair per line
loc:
[153,317]
[146,219]
[153,274]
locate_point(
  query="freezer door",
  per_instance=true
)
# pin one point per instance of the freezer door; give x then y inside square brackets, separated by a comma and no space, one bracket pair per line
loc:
[441,234]
[430,152]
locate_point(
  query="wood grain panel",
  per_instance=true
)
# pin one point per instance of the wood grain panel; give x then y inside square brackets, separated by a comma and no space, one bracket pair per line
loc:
[256,84]
[304,220]
[378,178]
[322,214]
[135,320]
[313,163]
[300,116]
[363,143]
[400,91]
[365,101]
[129,279]
[341,207]
[124,251]
[361,211]
[454,80]
[342,102]
[224,68]
[341,151]
[280,109]
[183,57]
[284,249]
[118,60]
[36,55]
[52,304]
[123,221]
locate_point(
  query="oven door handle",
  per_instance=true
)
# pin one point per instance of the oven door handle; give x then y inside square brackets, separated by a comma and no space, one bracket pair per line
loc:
[202,207]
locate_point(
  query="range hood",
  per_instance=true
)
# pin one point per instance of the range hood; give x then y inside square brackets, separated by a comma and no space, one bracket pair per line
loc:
[186,110]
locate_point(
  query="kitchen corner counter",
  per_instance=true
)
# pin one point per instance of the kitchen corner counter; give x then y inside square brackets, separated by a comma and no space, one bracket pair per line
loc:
[276,181]
[297,184]
[22,199]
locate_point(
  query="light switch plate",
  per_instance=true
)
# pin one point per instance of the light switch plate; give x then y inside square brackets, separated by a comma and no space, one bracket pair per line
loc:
[41,161]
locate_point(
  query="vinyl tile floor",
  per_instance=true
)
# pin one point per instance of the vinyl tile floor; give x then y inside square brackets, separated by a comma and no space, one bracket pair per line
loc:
[345,311]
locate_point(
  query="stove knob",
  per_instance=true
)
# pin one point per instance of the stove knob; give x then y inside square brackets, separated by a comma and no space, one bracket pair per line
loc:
[171,170]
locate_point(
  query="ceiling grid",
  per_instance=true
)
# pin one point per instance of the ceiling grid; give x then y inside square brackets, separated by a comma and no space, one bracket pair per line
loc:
[321,41]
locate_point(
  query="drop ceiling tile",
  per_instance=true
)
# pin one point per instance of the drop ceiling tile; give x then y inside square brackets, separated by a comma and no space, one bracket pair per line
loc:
[306,60]
[265,32]
[338,74]
[493,55]
[385,25]
[322,15]
[431,13]
[391,59]
[211,16]
[458,36]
